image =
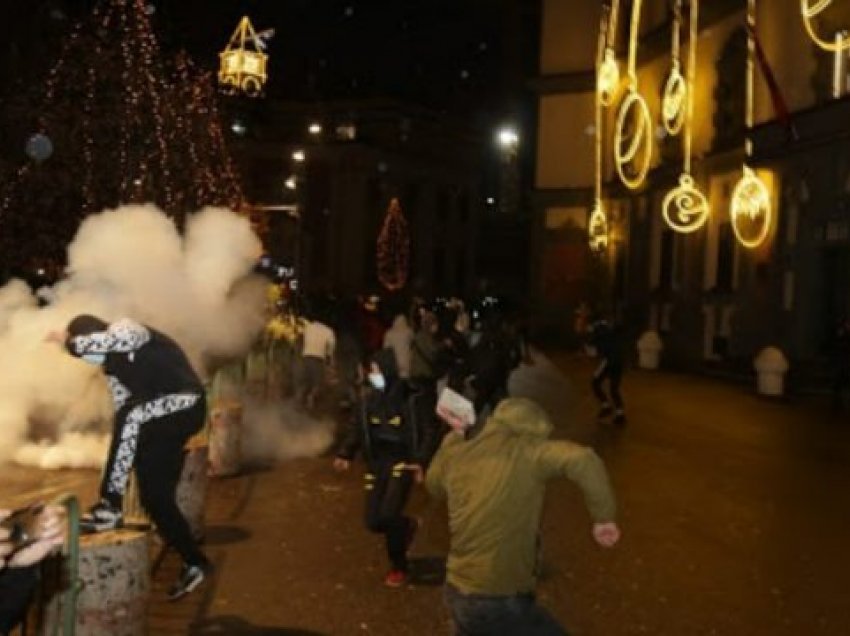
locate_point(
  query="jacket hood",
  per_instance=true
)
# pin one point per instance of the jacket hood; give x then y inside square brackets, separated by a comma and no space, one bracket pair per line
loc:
[521,417]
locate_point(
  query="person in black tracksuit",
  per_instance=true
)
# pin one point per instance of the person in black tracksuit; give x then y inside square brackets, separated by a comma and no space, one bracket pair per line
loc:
[159,404]
[396,432]
[606,340]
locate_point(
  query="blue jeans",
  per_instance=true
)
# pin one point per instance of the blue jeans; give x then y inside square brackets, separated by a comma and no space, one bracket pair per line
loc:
[480,615]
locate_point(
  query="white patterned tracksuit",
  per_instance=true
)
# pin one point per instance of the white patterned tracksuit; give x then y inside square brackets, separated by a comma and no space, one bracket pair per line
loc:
[159,403]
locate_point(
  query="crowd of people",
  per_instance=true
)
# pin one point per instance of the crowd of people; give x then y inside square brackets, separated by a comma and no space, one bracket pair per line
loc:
[426,402]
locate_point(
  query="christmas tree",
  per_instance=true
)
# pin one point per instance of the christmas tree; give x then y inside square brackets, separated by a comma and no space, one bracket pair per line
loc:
[117,123]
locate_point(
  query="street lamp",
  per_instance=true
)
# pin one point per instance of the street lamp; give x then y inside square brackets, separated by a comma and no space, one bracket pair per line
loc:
[315,128]
[290,183]
[508,138]
[299,156]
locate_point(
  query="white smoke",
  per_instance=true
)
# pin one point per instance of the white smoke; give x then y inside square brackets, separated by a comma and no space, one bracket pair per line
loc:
[128,262]
[279,431]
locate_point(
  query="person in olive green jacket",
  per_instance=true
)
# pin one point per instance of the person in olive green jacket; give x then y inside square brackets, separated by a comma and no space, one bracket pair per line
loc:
[493,475]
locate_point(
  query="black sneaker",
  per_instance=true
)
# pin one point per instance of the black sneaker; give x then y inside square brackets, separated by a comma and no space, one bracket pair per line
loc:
[191,576]
[604,411]
[101,517]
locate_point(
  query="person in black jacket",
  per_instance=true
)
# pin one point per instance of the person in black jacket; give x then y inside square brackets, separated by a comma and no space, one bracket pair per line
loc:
[606,340]
[396,432]
[159,404]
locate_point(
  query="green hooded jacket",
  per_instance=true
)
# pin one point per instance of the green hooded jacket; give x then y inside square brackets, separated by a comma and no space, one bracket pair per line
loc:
[494,484]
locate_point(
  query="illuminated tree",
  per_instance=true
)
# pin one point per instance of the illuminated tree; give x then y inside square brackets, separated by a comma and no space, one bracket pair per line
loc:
[393,253]
[116,124]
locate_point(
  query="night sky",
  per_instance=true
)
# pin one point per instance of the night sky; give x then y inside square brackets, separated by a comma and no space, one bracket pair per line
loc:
[469,57]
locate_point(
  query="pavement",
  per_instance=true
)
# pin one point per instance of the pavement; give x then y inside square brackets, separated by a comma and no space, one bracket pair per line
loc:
[733,510]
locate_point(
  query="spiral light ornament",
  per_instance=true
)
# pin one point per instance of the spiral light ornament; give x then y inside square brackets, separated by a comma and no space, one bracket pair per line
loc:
[810,9]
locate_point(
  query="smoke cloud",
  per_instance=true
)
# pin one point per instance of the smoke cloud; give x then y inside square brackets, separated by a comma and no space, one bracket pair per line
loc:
[278,431]
[128,262]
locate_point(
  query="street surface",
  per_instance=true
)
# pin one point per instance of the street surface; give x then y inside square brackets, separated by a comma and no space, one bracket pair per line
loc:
[734,511]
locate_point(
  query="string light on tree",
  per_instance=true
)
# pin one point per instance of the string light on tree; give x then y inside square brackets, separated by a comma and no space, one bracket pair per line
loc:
[634,130]
[393,249]
[685,208]
[750,209]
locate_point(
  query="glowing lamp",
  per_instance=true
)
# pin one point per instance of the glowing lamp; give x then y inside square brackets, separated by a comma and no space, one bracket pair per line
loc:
[243,63]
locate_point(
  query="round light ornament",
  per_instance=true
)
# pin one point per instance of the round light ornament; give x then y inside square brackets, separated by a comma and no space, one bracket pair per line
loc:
[810,9]
[608,77]
[685,208]
[633,140]
[674,102]
[598,231]
[750,210]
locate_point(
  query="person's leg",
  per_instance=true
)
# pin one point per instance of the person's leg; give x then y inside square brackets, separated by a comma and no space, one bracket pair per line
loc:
[475,615]
[398,528]
[121,456]
[158,469]
[615,377]
[599,376]
[376,479]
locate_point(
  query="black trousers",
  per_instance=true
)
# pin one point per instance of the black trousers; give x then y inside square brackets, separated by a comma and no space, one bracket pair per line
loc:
[16,590]
[613,373]
[387,492]
[152,437]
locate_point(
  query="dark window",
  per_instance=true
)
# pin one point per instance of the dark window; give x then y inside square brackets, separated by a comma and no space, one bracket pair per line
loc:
[725,257]
[668,248]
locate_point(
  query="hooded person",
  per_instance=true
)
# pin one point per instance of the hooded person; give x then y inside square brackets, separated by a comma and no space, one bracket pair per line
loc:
[159,404]
[493,474]
[399,338]
[395,431]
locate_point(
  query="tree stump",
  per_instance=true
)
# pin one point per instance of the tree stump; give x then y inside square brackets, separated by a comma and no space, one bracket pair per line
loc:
[226,438]
[114,573]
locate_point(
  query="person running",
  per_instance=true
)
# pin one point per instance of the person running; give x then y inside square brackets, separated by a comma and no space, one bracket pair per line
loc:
[606,340]
[395,430]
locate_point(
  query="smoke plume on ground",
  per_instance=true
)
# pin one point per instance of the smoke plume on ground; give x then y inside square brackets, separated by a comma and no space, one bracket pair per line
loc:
[128,262]
[278,431]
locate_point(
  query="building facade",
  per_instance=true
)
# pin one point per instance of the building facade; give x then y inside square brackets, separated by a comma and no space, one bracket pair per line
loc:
[366,153]
[715,302]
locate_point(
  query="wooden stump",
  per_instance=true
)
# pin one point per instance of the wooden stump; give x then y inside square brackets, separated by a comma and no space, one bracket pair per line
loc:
[115,576]
[226,438]
[192,488]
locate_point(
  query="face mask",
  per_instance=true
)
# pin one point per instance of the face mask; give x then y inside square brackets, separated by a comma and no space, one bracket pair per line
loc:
[95,358]
[377,380]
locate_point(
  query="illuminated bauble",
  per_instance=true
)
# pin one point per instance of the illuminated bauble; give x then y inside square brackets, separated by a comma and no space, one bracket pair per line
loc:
[242,64]
[685,208]
[750,210]
[633,139]
[675,101]
[597,233]
[39,147]
[810,9]
[608,77]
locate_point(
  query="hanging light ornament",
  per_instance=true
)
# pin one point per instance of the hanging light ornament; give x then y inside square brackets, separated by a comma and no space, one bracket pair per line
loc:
[597,228]
[676,89]
[751,209]
[243,61]
[685,208]
[607,68]
[634,129]
[838,46]
[810,9]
